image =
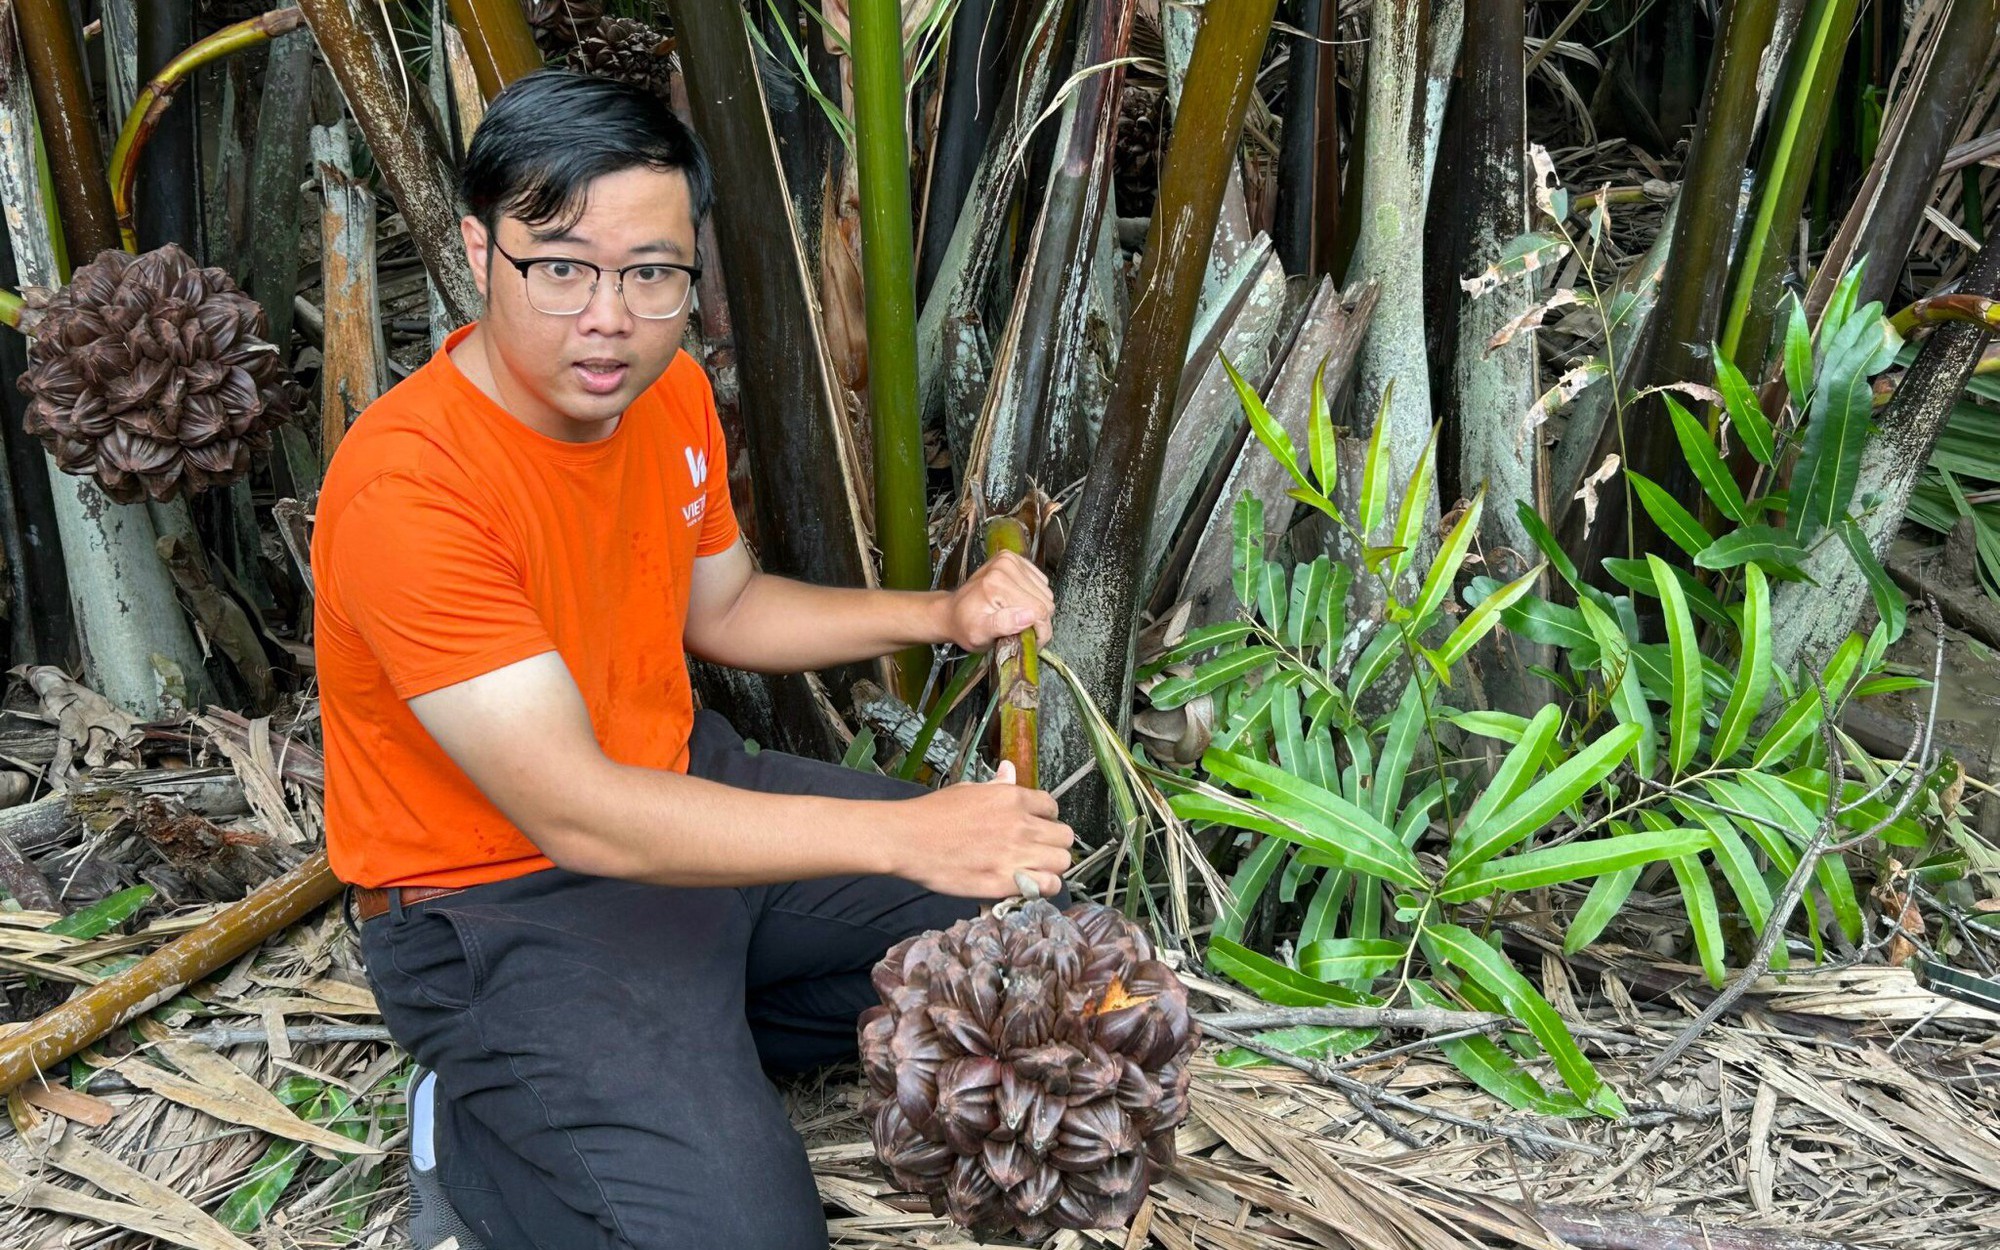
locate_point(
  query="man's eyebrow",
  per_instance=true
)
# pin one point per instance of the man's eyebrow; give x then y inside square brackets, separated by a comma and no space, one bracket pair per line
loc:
[669,246]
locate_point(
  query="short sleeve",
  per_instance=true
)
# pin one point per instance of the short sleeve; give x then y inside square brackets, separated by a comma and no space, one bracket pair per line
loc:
[718,527]
[430,587]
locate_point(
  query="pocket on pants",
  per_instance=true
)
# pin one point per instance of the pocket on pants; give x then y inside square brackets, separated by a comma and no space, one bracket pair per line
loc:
[434,952]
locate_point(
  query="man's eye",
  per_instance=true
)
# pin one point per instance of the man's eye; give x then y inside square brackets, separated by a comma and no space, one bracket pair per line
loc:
[648,274]
[562,270]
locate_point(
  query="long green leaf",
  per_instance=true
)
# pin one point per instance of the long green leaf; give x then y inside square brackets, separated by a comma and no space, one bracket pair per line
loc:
[1802,717]
[1247,886]
[1307,1041]
[1698,896]
[1798,357]
[103,915]
[1676,522]
[1699,451]
[1831,870]
[1516,773]
[1493,1069]
[1275,983]
[1323,913]
[1409,534]
[1746,416]
[1351,959]
[1310,583]
[1487,613]
[1620,665]
[1772,548]
[1542,801]
[1206,638]
[1247,554]
[1399,746]
[1685,715]
[1267,428]
[1220,671]
[1321,442]
[1333,817]
[1577,861]
[1375,471]
[1889,602]
[1437,582]
[1607,897]
[1753,669]
[1638,575]
[1739,867]
[1830,462]
[1464,950]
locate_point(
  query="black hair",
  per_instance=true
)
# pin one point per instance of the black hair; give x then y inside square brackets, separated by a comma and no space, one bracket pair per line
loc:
[548,135]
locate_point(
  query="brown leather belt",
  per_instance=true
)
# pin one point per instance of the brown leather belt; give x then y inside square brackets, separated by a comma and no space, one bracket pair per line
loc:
[369,904]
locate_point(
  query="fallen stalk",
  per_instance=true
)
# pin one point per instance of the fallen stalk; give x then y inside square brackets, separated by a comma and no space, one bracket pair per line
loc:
[60,1033]
[156,96]
[1364,1093]
[219,1037]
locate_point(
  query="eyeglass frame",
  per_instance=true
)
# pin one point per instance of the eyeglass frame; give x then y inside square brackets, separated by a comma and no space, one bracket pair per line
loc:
[522,264]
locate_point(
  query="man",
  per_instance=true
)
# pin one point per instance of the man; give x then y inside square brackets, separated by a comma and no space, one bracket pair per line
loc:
[594,914]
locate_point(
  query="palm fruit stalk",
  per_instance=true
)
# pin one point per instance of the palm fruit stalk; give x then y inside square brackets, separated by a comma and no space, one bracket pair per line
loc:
[1027,1068]
[151,374]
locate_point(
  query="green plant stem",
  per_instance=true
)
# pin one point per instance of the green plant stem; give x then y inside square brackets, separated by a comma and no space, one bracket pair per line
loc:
[887,258]
[155,97]
[10,309]
[1938,309]
[1017,670]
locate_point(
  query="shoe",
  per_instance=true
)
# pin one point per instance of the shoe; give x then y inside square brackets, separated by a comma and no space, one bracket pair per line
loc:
[434,1223]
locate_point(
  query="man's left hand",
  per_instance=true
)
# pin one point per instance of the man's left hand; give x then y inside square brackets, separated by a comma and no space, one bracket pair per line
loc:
[1007,595]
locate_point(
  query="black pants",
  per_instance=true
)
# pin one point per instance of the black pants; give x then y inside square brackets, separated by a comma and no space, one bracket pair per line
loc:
[602,1046]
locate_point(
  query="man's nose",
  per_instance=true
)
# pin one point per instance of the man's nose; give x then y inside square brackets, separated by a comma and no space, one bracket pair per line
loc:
[606,312]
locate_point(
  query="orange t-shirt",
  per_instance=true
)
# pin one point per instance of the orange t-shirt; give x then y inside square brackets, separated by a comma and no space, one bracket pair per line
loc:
[451,540]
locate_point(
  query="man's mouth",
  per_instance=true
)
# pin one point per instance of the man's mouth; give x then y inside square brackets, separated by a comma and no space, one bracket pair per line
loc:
[601,377]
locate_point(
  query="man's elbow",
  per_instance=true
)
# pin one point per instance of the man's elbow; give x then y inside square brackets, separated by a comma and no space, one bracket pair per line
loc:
[575,848]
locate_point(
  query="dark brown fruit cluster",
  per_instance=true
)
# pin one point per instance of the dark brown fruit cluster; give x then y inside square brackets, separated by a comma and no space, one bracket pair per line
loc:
[151,374]
[627,50]
[1027,1071]
[560,25]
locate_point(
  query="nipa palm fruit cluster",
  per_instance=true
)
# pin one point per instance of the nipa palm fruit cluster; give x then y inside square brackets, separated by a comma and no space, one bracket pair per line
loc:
[558,25]
[151,373]
[1027,1070]
[577,33]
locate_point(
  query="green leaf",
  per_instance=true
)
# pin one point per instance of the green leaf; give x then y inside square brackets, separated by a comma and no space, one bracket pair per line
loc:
[1607,896]
[1307,1041]
[1206,638]
[1889,602]
[1803,716]
[1830,462]
[1351,959]
[1538,530]
[1798,357]
[1676,522]
[1375,470]
[103,915]
[1247,886]
[1890,685]
[256,1195]
[1699,451]
[1330,821]
[1619,664]
[1273,594]
[1638,575]
[1221,670]
[1698,896]
[1376,659]
[1772,548]
[1399,745]
[1437,582]
[1506,726]
[1831,870]
[1575,861]
[1310,583]
[1538,620]
[1516,773]
[1409,533]
[1493,1069]
[1321,442]
[1464,950]
[1267,428]
[1685,715]
[1540,803]
[1739,867]
[1753,668]
[1746,415]
[1323,913]
[1490,611]
[1248,555]
[1275,983]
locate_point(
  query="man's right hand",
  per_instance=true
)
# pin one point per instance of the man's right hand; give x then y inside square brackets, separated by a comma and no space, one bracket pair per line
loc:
[969,840]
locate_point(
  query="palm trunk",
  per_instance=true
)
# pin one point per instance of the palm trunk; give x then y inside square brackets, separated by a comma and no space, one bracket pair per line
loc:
[973,84]
[1413,47]
[167,205]
[402,137]
[1480,393]
[1098,592]
[1809,618]
[887,256]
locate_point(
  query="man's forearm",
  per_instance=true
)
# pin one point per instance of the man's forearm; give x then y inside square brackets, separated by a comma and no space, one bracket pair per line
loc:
[781,626]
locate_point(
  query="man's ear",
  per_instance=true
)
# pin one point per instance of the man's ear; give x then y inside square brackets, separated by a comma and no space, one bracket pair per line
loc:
[478,250]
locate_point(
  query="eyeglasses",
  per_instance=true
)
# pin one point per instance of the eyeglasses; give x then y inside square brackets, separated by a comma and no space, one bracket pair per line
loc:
[561,287]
